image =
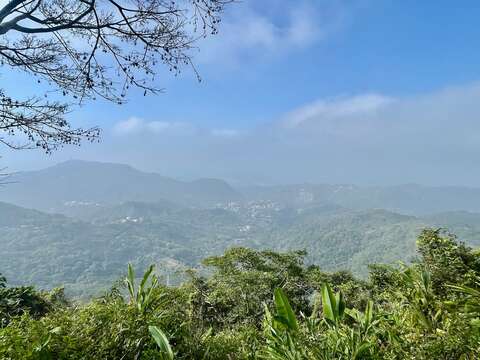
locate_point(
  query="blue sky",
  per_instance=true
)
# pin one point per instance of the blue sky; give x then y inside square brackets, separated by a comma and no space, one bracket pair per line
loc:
[370,92]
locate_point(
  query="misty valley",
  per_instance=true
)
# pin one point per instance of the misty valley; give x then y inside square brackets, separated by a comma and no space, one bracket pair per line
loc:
[137,265]
[53,236]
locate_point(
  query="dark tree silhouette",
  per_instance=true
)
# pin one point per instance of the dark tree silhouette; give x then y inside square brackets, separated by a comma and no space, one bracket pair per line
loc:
[88,49]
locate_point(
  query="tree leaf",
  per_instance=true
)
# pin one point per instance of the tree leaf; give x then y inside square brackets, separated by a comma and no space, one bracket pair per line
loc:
[328,303]
[130,280]
[161,341]
[284,310]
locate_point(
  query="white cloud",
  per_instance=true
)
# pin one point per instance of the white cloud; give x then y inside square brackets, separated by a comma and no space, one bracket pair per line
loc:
[304,27]
[159,126]
[225,132]
[365,139]
[128,126]
[135,125]
[250,31]
[336,108]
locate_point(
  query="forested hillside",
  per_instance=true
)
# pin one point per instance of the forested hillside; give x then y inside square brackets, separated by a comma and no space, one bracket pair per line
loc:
[87,255]
[407,199]
[261,305]
[118,215]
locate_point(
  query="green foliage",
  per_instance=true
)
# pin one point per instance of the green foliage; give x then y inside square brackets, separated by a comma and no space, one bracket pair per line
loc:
[142,297]
[162,342]
[469,305]
[86,256]
[333,305]
[284,315]
[447,260]
[16,301]
[249,304]
[242,280]
[281,331]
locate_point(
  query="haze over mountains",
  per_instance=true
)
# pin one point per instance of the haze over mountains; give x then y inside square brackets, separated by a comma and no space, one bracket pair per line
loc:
[81,183]
[90,219]
[76,184]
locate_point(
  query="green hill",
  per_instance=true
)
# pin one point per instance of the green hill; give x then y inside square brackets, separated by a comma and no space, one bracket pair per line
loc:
[87,255]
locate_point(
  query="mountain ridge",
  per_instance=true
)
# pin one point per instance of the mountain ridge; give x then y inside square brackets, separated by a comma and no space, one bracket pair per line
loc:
[95,183]
[76,186]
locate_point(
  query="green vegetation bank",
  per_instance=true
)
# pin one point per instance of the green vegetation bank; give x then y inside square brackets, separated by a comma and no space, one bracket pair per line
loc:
[262,305]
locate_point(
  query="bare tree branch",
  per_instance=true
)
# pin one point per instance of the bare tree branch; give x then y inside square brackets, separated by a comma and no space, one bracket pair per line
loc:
[86,49]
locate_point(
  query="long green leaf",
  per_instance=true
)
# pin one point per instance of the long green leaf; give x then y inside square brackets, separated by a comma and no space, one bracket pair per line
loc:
[368,314]
[146,276]
[142,292]
[131,282]
[339,306]
[148,295]
[284,310]
[466,290]
[328,303]
[161,341]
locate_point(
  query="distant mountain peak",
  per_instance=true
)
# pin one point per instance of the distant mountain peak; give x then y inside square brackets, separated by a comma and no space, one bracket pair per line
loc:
[85,182]
[76,164]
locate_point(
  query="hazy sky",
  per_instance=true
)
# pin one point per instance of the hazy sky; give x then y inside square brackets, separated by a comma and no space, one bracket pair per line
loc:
[367,92]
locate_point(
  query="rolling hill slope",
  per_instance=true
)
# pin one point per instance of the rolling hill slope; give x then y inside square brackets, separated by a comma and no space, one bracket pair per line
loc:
[87,255]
